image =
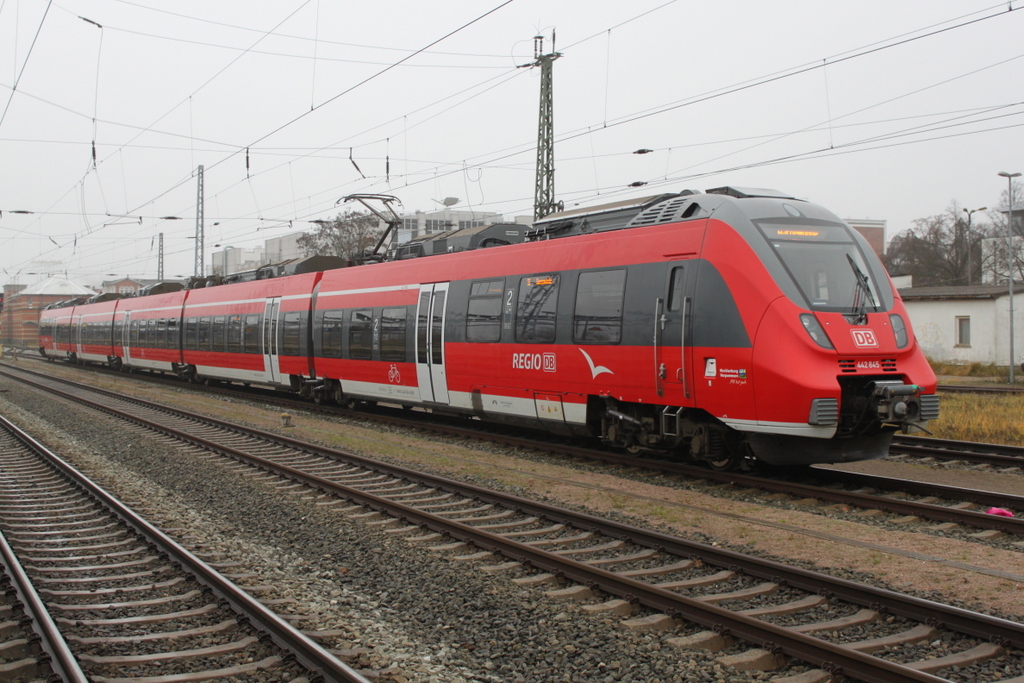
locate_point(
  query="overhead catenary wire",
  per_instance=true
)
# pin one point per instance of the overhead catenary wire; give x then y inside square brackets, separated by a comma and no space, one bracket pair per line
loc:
[458,166]
[24,64]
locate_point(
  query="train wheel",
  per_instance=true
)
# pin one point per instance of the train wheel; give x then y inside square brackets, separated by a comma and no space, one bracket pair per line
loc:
[725,462]
[725,452]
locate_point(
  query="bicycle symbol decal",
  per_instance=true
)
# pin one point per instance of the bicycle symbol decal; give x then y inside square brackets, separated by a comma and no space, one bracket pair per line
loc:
[394,376]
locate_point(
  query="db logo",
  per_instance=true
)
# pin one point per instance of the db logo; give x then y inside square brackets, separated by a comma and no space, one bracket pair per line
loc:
[864,338]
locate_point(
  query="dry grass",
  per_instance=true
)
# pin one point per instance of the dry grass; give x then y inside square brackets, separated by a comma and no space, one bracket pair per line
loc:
[999,372]
[981,417]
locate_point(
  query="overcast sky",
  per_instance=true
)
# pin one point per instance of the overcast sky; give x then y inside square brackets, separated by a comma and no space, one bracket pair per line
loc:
[881,110]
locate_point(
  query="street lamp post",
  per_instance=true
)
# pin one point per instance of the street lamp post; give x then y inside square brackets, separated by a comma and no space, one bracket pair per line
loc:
[970,212]
[1009,253]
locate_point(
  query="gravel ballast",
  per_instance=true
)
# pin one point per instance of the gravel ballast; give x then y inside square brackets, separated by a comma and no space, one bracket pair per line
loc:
[409,615]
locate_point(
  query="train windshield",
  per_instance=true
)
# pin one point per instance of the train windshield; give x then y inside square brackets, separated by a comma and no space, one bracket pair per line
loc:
[825,262]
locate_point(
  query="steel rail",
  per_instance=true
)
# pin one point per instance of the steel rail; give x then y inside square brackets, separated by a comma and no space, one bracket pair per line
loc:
[948,449]
[777,639]
[807,648]
[936,513]
[977,389]
[59,658]
[993,454]
[307,652]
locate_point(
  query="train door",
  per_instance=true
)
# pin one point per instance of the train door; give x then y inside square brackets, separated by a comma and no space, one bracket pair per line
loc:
[76,334]
[430,319]
[126,336]
[673,363]
[270,339]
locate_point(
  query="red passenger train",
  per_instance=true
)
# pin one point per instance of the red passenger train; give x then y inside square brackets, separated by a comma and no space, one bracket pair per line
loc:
[726,326]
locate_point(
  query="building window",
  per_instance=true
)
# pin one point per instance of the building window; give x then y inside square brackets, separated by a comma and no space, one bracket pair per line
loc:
[125,289]
[963,331]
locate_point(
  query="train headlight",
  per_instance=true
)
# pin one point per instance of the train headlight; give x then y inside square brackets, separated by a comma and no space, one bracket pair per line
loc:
[816,331]
[899,328]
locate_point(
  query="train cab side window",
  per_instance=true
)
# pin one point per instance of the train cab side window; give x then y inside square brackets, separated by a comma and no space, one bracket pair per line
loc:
[392,334]
[675,289]
[598,315]
[290,334]
[251,339]
[331,331]
[205,334]
[360,335]
[483,319]
[537,305]
[234,341]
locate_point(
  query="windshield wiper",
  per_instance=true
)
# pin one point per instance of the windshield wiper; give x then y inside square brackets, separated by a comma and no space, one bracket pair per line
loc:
[863,288]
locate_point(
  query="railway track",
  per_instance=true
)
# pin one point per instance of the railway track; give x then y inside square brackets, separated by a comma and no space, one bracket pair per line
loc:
[995,455]
[830,623]
[128,602]
[950,509]
[978,389]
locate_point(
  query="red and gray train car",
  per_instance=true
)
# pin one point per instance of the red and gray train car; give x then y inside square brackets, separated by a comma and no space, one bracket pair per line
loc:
[724,326]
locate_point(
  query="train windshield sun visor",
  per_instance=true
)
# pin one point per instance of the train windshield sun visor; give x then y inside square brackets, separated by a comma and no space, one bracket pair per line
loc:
[825,263]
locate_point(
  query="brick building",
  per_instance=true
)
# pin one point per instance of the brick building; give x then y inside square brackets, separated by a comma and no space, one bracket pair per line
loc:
[19,321]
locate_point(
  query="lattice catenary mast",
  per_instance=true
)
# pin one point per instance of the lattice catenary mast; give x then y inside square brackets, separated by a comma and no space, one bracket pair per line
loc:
[544,195]
[199,223]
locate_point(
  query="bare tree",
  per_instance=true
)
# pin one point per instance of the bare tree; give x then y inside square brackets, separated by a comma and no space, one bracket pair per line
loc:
[944,249]
[996,248]
[348,235]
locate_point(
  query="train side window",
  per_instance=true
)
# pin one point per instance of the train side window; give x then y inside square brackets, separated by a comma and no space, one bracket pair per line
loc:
[161,333]
[116,332]
[251,339]
[219,324]
[675,289]
[331,333]
[360,334]
[392,334]
[598,315]
[173,342]
[483,319]
[191,334]
[290,334]
[535,313]
[234,341]
[204,333]
[134,334]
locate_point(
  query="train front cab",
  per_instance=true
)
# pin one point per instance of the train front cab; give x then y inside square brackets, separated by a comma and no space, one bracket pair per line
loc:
[836,366]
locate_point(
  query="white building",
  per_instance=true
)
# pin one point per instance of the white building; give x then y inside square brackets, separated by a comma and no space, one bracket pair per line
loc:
[967,324]
[283,248]
[236,259]
[233,259]
[993,260]
[422,223]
